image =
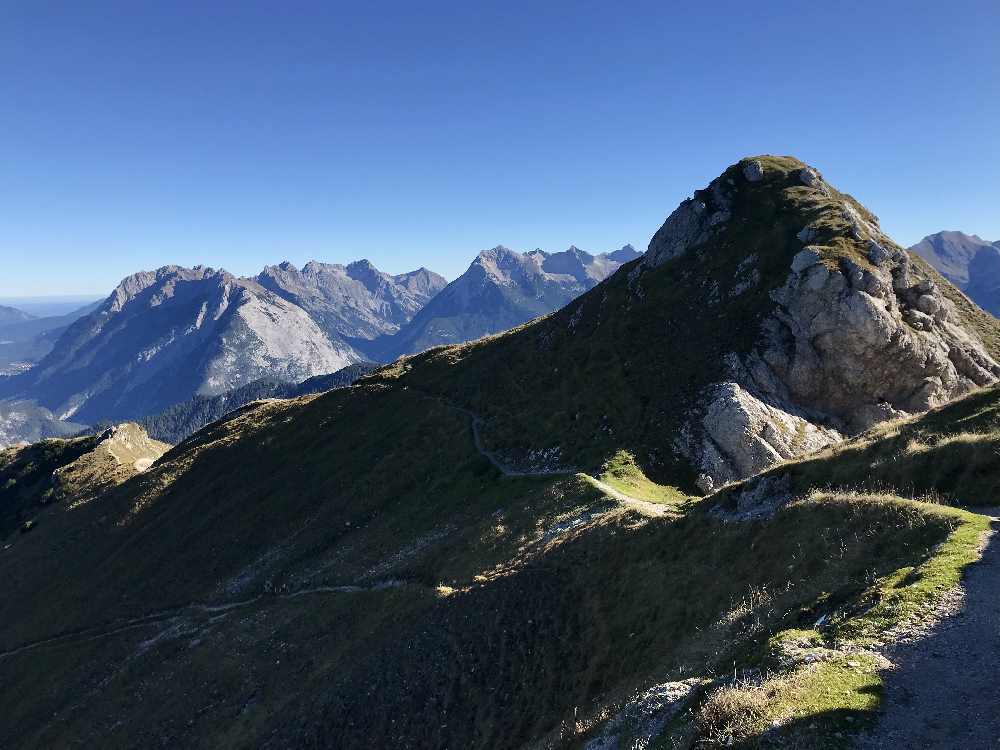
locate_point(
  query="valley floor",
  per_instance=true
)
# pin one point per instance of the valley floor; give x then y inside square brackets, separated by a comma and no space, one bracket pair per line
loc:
[944,692]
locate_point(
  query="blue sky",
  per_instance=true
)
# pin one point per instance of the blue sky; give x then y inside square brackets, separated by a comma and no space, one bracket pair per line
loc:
[140,133]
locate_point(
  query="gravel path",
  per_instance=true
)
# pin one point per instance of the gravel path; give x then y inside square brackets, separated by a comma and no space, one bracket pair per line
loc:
[945,690]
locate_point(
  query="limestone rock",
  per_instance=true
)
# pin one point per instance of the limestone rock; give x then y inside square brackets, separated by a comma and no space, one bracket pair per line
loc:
[928,304]
[810,177]
[805,259]
[690,225]
[877,254]
[807,235]
[851,340]
[740,435]
[753,171]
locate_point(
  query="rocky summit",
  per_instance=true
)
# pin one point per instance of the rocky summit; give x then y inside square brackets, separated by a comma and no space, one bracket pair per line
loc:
[858,331]
[506,544]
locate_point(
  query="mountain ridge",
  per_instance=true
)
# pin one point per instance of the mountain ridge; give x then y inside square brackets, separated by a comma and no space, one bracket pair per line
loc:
[431,557]
[969,262]
[11,316]
[503,288]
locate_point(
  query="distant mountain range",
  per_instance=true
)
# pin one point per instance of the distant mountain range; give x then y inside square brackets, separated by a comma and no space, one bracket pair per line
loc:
[164,337]
[502,289]
[29,338]
[11,315]
[967,261]
[356,302]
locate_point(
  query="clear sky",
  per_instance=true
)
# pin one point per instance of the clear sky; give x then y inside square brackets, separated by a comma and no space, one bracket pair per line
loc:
[139,133]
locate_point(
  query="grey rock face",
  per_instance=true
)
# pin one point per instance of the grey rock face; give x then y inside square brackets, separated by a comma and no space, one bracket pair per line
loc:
[353,301]
[740,434]
[163,336]
[877,254]
[753,171]
[810,177]
[840,345]
[691,224]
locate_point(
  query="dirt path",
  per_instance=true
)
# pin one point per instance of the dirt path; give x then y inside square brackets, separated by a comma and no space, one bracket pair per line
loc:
[945,690]
[167,617]
[509,472]
[504,469]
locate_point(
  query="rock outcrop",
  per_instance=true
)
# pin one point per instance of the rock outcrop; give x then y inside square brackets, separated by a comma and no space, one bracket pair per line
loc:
[857,332]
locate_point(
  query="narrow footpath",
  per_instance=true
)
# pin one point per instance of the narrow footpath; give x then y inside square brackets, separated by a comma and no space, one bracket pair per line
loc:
[944,693]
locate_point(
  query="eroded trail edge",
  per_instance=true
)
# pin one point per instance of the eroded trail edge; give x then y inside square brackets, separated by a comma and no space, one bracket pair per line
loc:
[943,691]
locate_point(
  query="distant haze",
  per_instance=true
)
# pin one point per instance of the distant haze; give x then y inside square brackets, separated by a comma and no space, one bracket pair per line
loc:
[60,304]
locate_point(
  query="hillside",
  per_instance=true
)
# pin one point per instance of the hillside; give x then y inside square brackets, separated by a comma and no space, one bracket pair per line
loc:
[969,262]
[499,544]
[184,419]
[74,470]
[769,317]
[501,289]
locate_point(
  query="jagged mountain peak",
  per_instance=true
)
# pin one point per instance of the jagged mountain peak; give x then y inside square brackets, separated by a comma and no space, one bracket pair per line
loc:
[502,288]
[968,261]
[362,264]
[356,301]
[164,335]
[624,254]
[498,253]
[164,279]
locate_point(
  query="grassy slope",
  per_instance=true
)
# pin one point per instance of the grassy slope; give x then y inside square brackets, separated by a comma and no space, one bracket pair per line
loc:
[952,455]
[488,611]
[502,630]
[26,477]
